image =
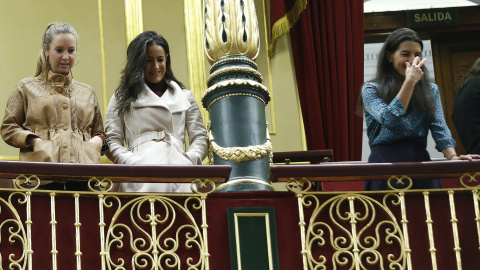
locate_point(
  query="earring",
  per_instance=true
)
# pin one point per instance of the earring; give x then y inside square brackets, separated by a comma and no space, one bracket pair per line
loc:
[77,61]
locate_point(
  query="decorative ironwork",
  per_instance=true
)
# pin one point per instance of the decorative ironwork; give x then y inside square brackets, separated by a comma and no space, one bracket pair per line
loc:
[350,230]
[402,182]
[18,240]
[454,222]
[152,230]
[53,224]
[476,198]
[429,222]
[469,180]
[352,237]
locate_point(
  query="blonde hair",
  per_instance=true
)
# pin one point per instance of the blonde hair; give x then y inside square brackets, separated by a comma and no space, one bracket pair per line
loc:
[51,31]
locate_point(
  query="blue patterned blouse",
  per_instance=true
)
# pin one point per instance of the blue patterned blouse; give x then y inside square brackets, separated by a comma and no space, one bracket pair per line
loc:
[388,123]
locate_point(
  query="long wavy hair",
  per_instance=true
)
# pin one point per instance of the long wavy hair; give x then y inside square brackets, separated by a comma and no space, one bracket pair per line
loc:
[133,75]
[472,73]
[51,31]
[390,81]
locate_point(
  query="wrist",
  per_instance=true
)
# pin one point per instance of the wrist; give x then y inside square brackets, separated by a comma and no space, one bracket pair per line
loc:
[450,157]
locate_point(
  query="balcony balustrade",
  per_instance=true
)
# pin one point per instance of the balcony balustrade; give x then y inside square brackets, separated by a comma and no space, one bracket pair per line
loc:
[103,229]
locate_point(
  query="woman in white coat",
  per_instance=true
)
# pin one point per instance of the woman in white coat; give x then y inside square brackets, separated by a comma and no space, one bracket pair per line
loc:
[149,113]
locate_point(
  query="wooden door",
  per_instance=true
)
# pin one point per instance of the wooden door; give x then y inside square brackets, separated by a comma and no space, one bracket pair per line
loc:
[453,55]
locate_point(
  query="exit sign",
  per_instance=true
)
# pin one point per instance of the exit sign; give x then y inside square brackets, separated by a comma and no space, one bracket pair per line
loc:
[432,17]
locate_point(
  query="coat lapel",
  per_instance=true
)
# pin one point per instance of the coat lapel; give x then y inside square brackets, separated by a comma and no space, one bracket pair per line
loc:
[148,99]
[173,99]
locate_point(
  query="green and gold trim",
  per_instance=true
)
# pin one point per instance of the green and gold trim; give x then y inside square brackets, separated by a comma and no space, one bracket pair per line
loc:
[253,248]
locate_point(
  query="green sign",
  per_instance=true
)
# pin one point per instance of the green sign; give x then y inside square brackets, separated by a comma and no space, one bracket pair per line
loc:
[430,17]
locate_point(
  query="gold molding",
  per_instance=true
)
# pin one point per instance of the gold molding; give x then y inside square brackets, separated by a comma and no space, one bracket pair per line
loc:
[242,181]
[273,122]
[195,53]
[102,55]
[133,19]
[267,229]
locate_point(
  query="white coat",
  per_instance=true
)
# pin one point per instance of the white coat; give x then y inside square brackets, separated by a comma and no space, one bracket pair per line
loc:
[153,130]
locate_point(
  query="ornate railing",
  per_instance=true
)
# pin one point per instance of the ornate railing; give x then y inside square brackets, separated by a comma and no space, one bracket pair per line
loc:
[396,229]
[100,229]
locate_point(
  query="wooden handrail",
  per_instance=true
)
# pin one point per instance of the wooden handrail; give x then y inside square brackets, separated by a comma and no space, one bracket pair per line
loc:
[333,171]
[115,172]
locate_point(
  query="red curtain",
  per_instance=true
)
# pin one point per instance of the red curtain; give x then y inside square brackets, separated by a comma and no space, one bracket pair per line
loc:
[327,43]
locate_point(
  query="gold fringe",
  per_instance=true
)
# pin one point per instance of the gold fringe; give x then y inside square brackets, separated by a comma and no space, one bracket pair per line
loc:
[284,24]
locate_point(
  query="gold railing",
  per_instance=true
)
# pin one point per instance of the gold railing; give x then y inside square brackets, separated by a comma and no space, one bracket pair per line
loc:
[115,230]
[373,230]
[101,229]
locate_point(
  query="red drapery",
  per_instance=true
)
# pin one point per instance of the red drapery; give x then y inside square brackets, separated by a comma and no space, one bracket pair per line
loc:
[327,44]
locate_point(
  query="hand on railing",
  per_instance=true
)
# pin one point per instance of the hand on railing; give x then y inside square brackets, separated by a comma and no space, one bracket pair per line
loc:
[464,157]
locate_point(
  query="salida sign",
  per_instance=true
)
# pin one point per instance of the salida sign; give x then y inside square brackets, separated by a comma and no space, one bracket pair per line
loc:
[427,17]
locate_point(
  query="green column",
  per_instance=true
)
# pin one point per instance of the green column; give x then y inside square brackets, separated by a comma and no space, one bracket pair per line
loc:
[235,97]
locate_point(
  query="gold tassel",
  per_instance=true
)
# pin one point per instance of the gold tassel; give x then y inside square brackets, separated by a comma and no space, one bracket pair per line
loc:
[284,24]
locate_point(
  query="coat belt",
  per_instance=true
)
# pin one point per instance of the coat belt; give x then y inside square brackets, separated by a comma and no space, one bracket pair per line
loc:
[151,136]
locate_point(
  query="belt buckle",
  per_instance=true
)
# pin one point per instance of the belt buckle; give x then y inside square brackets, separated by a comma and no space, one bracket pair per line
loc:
[163,138]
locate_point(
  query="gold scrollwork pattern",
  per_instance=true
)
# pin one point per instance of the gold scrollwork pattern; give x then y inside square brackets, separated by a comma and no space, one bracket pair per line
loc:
[469,180]
[352,231]
[100,185]
[13,236]
[155,232]
[23,180]
[402,182]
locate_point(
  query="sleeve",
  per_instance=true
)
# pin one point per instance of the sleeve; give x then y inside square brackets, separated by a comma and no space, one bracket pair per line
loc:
[197,133]
[440,132]
[387,115]
[115,134]
[97,125]
[12,130]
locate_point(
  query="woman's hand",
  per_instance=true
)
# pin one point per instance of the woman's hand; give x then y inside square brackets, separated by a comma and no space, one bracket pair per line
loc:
[32,140]
[97,140]
[465,157]
[414,72]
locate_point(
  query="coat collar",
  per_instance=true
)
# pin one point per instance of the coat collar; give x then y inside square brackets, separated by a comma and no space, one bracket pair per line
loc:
[173,99]
[59,82]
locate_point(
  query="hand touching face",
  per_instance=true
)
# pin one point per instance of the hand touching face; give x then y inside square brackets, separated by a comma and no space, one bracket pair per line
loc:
[407,60]
[414,70]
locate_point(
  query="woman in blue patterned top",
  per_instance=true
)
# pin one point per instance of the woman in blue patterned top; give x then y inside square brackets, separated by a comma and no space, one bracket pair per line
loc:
[401,106]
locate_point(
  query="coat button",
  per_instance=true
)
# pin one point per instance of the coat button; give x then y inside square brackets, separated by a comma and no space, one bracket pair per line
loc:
[65,105]
[65,145]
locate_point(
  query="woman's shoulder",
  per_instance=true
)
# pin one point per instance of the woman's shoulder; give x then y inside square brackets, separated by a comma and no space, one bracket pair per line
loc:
[29,80]
[82,85]
[370,86]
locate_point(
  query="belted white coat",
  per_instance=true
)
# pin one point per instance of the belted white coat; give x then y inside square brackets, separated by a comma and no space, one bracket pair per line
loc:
[153,132]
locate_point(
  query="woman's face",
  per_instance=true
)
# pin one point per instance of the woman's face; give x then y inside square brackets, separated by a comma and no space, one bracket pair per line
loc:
[156,63]
[62,53]
[406,52]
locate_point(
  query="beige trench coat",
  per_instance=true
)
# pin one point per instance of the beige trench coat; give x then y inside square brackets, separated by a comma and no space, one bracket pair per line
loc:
[154,133]
[62,112]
